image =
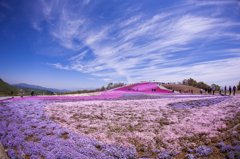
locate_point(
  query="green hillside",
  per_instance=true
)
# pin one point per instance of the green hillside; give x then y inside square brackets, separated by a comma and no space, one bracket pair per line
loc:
[6,89]
[27,91]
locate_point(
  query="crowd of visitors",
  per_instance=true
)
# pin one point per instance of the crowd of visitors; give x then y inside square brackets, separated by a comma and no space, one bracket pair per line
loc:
[230,90]
[223,90]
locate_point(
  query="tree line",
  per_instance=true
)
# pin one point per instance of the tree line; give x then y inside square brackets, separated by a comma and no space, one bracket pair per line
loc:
[202,85]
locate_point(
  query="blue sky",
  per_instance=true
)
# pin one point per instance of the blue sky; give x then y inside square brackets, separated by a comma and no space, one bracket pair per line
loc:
[85,44]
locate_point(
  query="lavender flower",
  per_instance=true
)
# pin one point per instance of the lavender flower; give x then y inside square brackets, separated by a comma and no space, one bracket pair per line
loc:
[29,129]
[231,155]
[190,156]
[220,144]
[11,153]
[164,155]
[203,151]
[226,148]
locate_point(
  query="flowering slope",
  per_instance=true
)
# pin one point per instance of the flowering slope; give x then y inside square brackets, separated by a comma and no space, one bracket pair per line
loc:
[150,125]
[146,87]
[118,125]
[26,132]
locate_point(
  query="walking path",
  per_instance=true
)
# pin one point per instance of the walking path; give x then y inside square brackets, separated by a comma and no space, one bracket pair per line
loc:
[3,154]
[4,98]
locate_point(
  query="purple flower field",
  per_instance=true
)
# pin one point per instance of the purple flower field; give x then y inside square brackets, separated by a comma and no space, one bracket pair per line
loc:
[118,125]
[27,132]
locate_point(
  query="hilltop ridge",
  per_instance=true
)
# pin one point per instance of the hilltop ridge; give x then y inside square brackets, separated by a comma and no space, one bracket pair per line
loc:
[7,89]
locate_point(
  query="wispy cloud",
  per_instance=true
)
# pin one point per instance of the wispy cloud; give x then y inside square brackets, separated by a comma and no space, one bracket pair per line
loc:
[213,2]
[86,2]
[220,71]
[36,26]
[144,47]
[60,66]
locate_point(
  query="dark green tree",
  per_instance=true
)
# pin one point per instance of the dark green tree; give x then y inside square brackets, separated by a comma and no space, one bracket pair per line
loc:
[217,87]
[202,85]
[110,85]
[102,89]
[190,82]
[185,82]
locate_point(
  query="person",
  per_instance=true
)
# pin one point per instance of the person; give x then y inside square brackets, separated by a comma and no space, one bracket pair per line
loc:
[230,90]
[220,91]
[206,90]
[12,94]
[209,90]
[201,91]
[225,90]
[213,89]
[32,93]
[234,90]
[21,93]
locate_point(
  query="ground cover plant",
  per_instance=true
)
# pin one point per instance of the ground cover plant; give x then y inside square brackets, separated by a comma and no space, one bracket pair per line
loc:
[121,124]
[152,126]
[29,133]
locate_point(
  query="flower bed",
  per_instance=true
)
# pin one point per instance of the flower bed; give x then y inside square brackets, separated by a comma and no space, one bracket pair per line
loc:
[27,132]
[119,126]
[146,87]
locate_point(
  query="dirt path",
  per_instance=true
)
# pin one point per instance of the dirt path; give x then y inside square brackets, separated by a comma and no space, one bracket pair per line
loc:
[3,154]
[4,98]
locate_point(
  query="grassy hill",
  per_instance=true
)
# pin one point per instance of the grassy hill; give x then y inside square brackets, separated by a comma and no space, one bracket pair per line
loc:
[6,89]
[38,90]
[9,90]
[182,88]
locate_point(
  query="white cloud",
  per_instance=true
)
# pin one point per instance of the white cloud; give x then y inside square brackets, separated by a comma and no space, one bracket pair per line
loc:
[146,47]
[86,2]
[79,56]
[107,79]
[212,2]
[130,21]
[36,26]
[60,66]
[219,71]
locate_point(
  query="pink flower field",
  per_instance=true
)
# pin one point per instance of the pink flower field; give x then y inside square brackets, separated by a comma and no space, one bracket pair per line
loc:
[119,79]
[129,122]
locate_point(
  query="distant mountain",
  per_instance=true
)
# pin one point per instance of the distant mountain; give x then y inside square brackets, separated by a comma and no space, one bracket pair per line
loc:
[7,89]
[36,87]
